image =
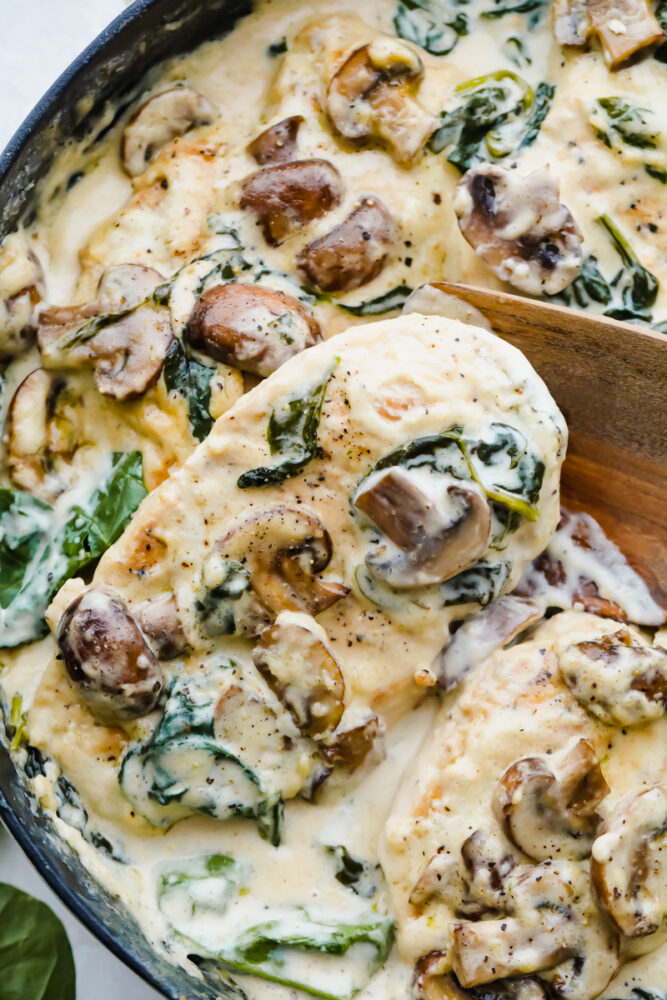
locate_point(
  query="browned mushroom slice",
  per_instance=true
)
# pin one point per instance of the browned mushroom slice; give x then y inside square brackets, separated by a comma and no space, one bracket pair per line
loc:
[553,929]
[518,227]
[354,252]
[161,623]
[616,679]
[487,865]
[107,657]
[493,627]
[629,865]
[289,195]
[436,539]
[358,737]
[252,328]
[122,335]
[297,665]
[21,289]
[551,811]
[627,29]
[38,433]
[277,143]
[285,550]
[372,96]
[431,985]
[440,878]
[159,120]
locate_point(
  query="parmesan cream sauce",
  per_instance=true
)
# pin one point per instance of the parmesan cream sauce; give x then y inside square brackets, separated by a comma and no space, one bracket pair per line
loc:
[92,225]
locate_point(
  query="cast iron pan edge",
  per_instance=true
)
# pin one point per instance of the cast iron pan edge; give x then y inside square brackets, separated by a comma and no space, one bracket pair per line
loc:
[112,65]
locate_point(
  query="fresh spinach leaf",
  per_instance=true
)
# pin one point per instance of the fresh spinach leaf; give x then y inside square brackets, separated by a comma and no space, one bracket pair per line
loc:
[291,433]
[36,960]
[431,24]
[271,951]
[638,288]
[394,299]
[187,377]
[359,876]
[38,553]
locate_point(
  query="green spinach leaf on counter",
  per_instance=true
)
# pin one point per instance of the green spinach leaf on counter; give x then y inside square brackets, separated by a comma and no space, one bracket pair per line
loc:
[38,552]
[498,114]
[187,377]
[292,434]
[434,25]
[36,960]
[395,298]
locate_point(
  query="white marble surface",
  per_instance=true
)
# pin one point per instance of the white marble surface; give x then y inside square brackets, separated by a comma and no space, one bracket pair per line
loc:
[40,38]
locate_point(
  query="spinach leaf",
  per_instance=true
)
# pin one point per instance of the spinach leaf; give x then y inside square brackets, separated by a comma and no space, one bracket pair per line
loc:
[498,114]
[71,810]
[638,993]
[203,884]
[589,286]
[431,24]
[185,376]
[292,433]
[217,608]
[359,876]
[36,960]
[533,7]
[637,286]
[544,95]
[624,120]
[394,299]
[271,951]
[480,584]
[656,173]
[38,553]
[277,48]
[184,767]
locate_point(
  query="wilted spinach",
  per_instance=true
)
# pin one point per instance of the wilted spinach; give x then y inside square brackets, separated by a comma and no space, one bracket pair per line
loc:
[38,554]
[480,584]
[216,609]
[36,960]
[624,120]
[589,286]
[638,288]
[431,24]
[359,876]
[199,884]
[393,299]
[187,377]
[266,949]
[533,7]
[291,433]
[498,114]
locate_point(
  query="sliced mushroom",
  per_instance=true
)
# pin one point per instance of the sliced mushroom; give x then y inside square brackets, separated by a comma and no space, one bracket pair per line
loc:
[492,628]
[277,143]
[372,96]
[107,658]
[293,658]
[290,195]
[437,539]
[250,327]
[285,549]
[440,878]
[161,623]
[159,120]
[432,985]
[518,227]
[487,864]
[38,434]
[627,29]
[354,252]
[122,335]
[616,679]
[549,810]
[553,929]
[21,289]
[629,864]
[358,737]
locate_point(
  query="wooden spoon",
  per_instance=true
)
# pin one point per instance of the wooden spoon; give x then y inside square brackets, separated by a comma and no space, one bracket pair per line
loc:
[610,381]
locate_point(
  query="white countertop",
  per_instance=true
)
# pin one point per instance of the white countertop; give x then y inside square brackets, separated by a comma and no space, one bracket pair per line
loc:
[41,39]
